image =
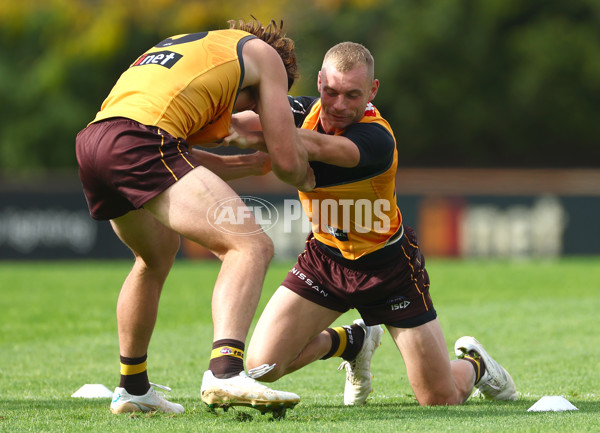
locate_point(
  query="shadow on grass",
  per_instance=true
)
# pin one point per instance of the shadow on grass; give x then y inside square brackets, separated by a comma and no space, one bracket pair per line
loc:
[53,404]
[474,409]
[308,412]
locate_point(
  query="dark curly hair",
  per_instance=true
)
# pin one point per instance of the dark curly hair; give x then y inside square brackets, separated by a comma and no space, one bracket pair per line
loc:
[273,35]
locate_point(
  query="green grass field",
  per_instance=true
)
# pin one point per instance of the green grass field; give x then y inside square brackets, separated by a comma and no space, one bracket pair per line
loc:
[58,331]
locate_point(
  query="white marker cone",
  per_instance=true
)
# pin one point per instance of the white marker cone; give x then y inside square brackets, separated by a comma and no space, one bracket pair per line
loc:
[93,391]
[554,403]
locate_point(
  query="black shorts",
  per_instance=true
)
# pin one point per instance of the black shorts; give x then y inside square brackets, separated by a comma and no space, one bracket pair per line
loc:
[391,287]
[123,164]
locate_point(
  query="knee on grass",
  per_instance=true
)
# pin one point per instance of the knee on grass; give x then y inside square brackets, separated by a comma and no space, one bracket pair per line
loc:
[439,399]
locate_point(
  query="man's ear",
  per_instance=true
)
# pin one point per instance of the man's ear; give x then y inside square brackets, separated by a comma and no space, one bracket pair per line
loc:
[374,88]
[319,82]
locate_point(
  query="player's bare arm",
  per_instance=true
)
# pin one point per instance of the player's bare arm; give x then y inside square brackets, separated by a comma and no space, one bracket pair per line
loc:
[229,167]
[245,132]
[247,120]
[331,149]
[265,73]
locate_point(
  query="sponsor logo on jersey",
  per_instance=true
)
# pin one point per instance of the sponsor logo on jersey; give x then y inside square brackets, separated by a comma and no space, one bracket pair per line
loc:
[370,110]
[160,58]
[340,235]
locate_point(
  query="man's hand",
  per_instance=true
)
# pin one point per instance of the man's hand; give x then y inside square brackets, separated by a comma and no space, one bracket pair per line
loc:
[242,138]
[263,163]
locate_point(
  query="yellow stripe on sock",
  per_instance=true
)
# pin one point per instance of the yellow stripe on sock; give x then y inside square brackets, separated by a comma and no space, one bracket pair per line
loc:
[477,364]
[227,351]
[127,370]
[343,341]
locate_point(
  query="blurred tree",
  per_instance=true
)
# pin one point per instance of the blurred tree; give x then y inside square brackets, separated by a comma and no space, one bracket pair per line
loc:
[59,59]
[463,82]
[479,83]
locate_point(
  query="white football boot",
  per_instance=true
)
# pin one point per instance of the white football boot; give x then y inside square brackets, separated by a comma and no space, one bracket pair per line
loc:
[242,390]
[496,383]
[358,372]
[123,402]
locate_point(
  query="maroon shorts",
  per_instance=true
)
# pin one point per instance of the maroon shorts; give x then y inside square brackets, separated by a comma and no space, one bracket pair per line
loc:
[123,164]
[389,286]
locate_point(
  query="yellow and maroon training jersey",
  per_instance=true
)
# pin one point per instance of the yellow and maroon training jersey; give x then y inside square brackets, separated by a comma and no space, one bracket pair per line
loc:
[358,215]
[186,85]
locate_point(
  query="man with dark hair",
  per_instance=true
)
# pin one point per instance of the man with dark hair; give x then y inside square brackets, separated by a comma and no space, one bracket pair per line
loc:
[139,171]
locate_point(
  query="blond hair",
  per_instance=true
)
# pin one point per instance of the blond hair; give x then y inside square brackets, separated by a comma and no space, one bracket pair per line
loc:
[346,56]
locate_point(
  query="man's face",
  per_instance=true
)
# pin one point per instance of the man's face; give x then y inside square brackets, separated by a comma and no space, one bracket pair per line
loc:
[344,96]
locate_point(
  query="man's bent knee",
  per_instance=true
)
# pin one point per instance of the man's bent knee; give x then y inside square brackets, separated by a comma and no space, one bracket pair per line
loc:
[162,255]
[267,249]
[259,247]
